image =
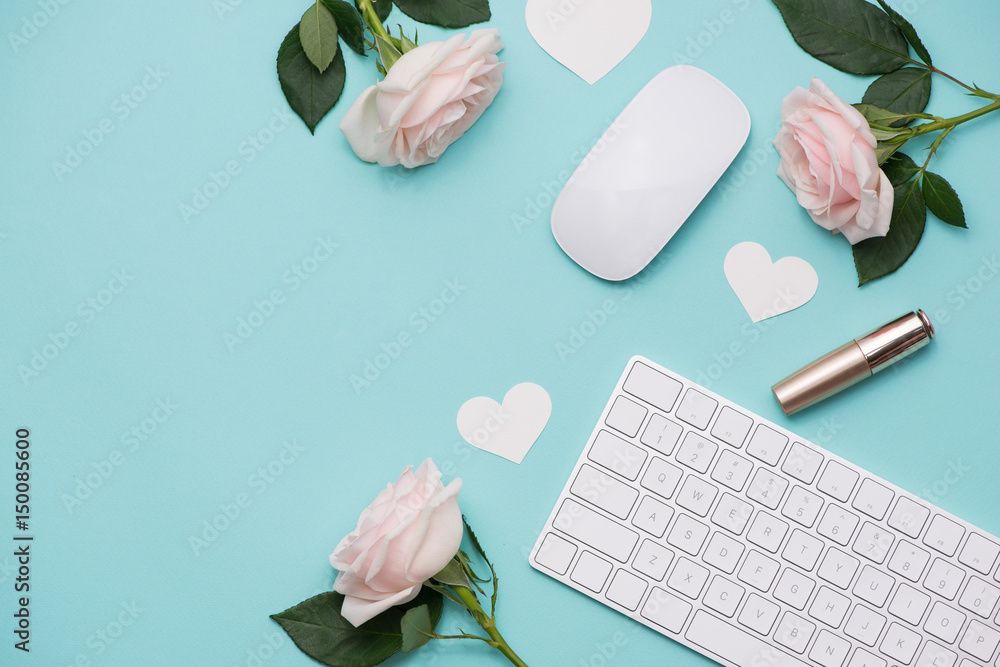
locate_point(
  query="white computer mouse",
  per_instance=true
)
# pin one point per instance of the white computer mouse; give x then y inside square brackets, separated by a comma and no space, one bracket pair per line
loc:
[649,171]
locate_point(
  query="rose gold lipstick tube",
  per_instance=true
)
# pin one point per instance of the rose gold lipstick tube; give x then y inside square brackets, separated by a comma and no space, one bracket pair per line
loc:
[854,361]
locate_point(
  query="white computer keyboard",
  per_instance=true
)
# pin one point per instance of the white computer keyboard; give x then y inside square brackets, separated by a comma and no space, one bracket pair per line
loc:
[756,548]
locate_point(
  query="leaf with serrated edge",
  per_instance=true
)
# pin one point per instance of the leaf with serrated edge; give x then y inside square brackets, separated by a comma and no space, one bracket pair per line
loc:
[416,628]
[446,13]
[900,168]
[318,34]
[310,94]
[943,201]
[878,257]
[853,36]
[904,91]
[907,29]
[349,25]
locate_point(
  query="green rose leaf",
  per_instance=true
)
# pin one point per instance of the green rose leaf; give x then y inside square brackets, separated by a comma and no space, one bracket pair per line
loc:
[908,32]
[453,574]
[387,52]
[446,13]
[349,24]
[886,149]
[853,36]
[900,168]
[318,34]
[878,257]
[318,629]
[904,91]
[876,115]
[311,94]
[887,134]
[943,201]
[416,627]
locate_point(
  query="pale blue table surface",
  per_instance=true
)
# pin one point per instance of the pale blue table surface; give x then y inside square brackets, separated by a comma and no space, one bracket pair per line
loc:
[157,334]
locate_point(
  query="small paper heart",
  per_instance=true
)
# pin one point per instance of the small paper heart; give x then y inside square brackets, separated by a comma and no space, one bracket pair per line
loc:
[767,289]
[508,430]
[589,37]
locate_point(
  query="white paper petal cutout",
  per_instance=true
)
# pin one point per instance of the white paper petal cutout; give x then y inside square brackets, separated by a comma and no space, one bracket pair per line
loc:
[767,289]
[508,430]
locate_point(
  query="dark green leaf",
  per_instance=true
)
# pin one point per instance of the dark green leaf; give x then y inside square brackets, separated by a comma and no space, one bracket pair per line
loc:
[900,168]
[416,628]
[319,630]
[943,201]
[908,32]
[878,257]
[349,24]
[453,574]
[310,94]
[852,35]
[318,34]
[446,13]
[904,91]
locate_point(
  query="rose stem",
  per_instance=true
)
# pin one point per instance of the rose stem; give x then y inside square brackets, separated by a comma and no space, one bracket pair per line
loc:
[371,18]
[469,599]
[957,120]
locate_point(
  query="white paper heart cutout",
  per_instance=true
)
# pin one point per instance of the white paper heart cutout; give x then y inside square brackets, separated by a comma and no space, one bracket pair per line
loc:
[589,37]
[507,430]
[767,289]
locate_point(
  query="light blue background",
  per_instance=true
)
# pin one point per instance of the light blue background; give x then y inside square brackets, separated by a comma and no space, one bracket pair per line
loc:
[401,236]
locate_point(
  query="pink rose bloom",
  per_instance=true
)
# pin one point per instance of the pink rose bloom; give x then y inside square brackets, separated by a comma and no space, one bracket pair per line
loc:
[828,160]
[427,101]
[405,537]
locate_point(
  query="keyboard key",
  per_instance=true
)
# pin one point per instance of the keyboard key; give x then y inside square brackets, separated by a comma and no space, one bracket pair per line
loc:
[661,434]
[909,604]
[935,655]
[802,463]
[734,645]
[944,579]
[863,658]
[617,455]
[943,535]
[687,534]
[724,596]
[944,622]
[829,650]
[723,552]
[626,416]
[758,614]
[732,514]
[626,589]
[979,553]
[652,516]
[908,517]
[653,560]
[794,632]
[555,553]
[697,452]
[696,409]
[732,427]
[595,530]
[873,542]
[604,491]
[666,610]
[688,578]
[899,643]
[732,470]
[794,588]
[802,549]
[873,499]
[767,488]
[980,597]
[767,445]
[829,607]
[661,477]
[838,524]
[652,386]
[838,568]
[591,571]
[909,560]
[758,570]
[980,641]
[767,531]
[873,586]
[697,495]
[802,507]
[837,481]
[864,625]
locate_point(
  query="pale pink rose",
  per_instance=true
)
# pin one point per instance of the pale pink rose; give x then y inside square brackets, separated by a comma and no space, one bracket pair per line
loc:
[828,160]
[427,101]
[405,537]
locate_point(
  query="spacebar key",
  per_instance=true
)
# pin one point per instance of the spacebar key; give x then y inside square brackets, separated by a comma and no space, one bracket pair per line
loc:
[600,532]
[736,646]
